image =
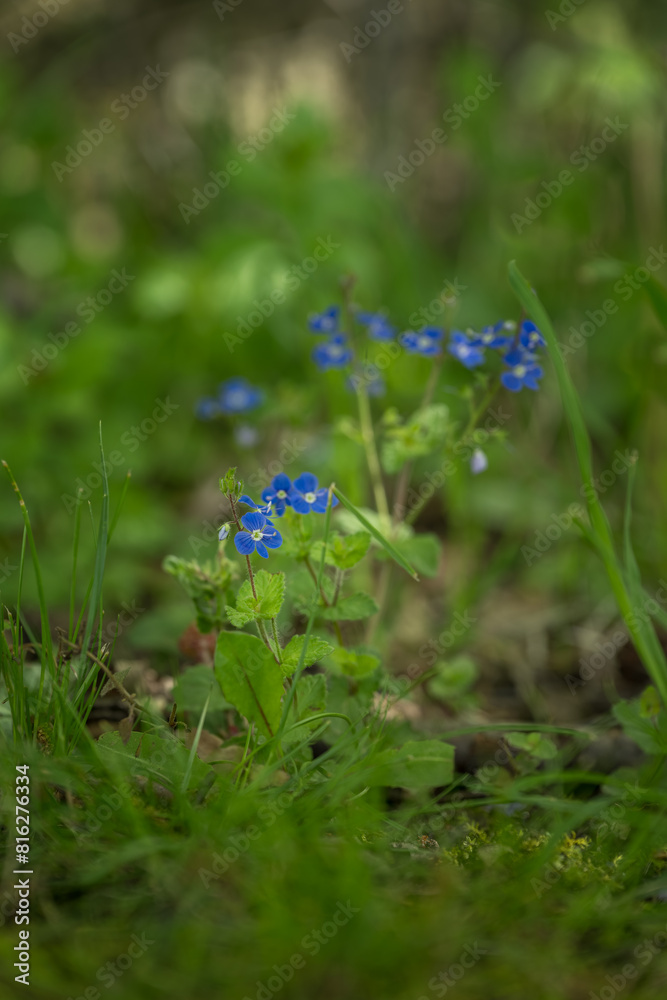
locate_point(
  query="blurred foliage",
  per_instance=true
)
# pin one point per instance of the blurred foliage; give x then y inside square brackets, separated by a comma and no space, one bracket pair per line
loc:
[172,334]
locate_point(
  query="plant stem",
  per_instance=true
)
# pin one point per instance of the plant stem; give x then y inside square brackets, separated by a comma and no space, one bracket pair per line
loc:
[260,624]
[365,417]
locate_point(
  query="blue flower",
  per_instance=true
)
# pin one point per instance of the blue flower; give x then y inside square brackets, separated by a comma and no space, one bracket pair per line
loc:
[378,326]
[530,337]
[223,533]
[325,322]
[426,341]
[249,502]
[236,395]
[246,436]
[277,493]
[492,337]
[207,409]
[333,353]
[478,462]
[259,534]
[306,496]
[523,371]
[462,348]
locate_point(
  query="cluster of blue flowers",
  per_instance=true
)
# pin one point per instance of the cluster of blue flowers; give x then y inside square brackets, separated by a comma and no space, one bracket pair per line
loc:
[235,396]
[258,533]
[518,346]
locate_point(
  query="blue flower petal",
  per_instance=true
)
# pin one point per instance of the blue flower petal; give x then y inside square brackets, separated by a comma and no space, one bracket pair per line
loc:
[300,505]
[244,543]
[261,550]
[306,483]
[273,539]
[254,521]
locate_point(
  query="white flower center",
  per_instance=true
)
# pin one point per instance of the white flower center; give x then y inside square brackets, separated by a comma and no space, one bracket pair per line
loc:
[424,342]
[281,494]
[520,371]
[487,337]
[309,497]
[256,535]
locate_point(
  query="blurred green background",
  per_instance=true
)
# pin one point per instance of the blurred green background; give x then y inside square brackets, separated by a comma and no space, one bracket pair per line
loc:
[353,103]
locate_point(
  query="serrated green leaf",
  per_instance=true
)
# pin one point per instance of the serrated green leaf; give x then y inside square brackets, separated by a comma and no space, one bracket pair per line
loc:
[317,648]
[343,551]
[355,662]
[270,589]
[250,679]
[350,609]
[417,764]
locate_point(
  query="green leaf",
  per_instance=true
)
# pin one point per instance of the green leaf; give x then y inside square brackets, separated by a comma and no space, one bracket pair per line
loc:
[355,662]
[423,552]
[535,744]
[194,686]
[453,678]
[250,679]
[649,733]
[425,431]
[317,648]
[350,609]
[417,764]
[344,551]
[385,543]
[270,589]
[310,697]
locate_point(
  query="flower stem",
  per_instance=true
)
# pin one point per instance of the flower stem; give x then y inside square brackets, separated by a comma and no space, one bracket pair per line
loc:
[365,417]
[260,624]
